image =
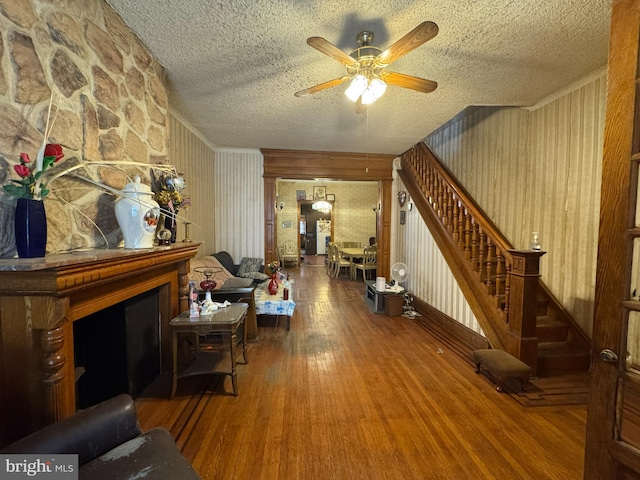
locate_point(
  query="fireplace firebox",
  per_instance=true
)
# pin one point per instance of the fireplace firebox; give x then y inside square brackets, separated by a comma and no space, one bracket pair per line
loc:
[117,350]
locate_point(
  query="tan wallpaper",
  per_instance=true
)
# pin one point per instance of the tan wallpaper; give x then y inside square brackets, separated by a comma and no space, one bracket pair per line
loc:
[530,170]
[238,203]
[353,217]
[226,189]
[195,160]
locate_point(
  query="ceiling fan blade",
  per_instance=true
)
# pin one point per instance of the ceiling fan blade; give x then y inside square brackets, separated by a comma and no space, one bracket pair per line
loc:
[360,107]
[322,86]
[407,81]
[331,50]
[416,37]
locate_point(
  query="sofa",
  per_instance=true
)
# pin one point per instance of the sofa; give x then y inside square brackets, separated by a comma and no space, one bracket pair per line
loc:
[110,444]
[227,274]
[229,285]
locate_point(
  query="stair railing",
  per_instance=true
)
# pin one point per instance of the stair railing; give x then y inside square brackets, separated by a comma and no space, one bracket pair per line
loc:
[499,282]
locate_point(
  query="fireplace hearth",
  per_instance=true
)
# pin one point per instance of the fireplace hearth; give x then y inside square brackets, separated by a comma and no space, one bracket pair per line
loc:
[42,299]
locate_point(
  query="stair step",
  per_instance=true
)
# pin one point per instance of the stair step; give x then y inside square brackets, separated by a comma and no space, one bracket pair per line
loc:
[562,357]
[542,306]
[551,330]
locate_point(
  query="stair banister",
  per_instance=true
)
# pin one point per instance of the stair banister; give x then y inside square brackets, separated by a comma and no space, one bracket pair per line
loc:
[501,295]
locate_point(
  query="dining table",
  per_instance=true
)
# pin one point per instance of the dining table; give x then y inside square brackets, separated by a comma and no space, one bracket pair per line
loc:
[351,254]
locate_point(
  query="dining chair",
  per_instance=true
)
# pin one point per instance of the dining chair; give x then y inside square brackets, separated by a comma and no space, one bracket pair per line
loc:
[329,262]
[352,244]
[369,263]
[340,263]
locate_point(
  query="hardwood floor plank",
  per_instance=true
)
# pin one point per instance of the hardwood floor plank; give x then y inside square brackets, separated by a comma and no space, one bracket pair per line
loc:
[349,394]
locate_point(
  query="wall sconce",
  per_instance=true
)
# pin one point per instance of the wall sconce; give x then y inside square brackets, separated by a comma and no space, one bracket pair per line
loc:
[402,198]
[279,206]
[375,207]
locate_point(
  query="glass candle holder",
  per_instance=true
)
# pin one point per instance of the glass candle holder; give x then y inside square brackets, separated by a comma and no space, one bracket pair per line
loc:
[535,242]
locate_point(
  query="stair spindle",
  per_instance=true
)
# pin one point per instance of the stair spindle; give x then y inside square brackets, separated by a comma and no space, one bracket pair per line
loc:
[489,280]
[507,293]
[474,247]
[441,197]
[456,224]
[481,256]
[450,214]
[499,277]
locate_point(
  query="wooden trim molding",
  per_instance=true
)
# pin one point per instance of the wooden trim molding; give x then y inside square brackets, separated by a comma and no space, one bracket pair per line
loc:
[310,165]
[461,339]
[304,164]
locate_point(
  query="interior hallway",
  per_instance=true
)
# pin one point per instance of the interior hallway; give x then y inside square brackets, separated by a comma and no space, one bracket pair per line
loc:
[348,394]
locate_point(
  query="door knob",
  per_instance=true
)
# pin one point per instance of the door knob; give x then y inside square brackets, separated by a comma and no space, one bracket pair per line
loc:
[609,356]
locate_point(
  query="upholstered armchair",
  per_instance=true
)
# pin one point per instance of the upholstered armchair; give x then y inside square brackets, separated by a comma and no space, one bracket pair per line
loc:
[110,444]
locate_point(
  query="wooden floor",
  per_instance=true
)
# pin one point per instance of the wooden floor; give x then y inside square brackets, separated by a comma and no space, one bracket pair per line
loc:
[348,394]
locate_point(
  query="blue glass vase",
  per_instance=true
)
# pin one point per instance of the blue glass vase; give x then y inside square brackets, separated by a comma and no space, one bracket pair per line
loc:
[30,228]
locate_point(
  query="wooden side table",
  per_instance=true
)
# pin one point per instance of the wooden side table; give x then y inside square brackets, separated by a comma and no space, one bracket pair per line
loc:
[224,322]
[239,295]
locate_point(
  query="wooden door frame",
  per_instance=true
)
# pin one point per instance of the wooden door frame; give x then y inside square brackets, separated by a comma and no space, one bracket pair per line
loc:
[605,453]
[312,165]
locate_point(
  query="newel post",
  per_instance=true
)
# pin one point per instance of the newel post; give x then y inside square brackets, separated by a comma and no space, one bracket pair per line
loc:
[525,275]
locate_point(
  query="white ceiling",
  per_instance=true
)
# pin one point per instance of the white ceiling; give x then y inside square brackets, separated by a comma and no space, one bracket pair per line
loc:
[234,65]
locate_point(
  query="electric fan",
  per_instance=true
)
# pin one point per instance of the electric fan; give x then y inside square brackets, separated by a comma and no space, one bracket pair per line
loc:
[399,274]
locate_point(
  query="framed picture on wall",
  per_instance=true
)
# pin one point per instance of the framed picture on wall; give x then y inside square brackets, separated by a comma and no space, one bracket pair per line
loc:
[330,197]
[300,195]
[319,193]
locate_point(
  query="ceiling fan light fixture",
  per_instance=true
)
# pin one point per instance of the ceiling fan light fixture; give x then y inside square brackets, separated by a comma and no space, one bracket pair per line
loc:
[357,87]
[374,91]
[368,97]
[378,87]
[366,66]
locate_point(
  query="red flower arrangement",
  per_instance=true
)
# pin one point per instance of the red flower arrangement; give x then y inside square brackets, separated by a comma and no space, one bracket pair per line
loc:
[31,185]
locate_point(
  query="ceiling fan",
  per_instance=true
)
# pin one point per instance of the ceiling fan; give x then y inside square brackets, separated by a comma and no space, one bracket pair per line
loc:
[366,66]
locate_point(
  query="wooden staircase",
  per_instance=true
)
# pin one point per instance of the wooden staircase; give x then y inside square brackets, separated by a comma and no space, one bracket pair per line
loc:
[562,347]
[516,311]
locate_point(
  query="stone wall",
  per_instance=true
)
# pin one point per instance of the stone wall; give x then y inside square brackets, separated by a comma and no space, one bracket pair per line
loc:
[111,106]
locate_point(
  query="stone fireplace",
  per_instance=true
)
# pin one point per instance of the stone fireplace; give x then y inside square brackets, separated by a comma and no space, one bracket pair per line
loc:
[109,103]
[41,299]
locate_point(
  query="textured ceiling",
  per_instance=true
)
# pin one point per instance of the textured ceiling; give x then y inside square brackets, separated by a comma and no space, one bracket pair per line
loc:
[234,65]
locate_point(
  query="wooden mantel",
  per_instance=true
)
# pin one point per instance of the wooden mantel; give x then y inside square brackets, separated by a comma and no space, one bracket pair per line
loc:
[39,301]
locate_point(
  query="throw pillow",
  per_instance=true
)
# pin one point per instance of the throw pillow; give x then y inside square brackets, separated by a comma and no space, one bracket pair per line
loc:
[256,276]
[248,264]
[236,282]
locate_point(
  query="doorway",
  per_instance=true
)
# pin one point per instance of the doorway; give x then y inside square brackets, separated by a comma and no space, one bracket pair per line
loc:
[315,230]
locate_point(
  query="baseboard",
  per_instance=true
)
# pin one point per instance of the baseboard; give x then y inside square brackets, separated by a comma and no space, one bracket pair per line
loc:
[458,337]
